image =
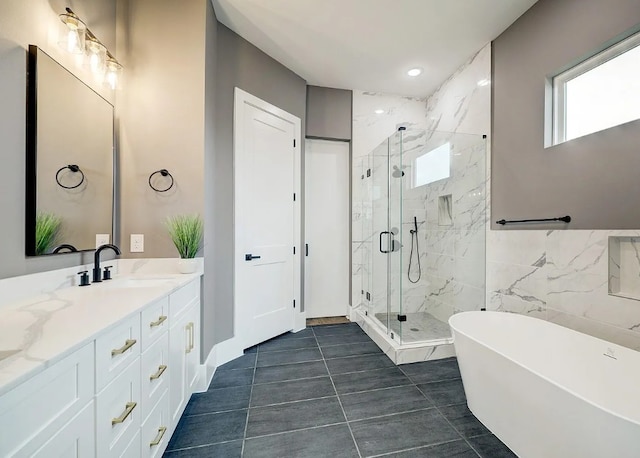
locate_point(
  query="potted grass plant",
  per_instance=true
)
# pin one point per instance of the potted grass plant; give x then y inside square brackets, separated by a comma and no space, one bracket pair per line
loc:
[186,233]
[47,231]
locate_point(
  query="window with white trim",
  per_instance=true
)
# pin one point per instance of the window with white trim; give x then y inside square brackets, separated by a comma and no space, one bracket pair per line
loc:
[600,92]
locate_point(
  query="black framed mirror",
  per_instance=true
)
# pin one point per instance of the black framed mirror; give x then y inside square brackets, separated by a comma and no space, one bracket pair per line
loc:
[69,160]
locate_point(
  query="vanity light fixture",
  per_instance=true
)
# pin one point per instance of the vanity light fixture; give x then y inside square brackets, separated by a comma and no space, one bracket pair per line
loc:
[80,40]
[415,71]
[379,111]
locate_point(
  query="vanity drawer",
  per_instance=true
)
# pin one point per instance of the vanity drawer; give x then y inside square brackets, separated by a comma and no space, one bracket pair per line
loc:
[118,412]
[182,298]
[155,373]
[116,349]
[154,321]
[76,438]
[34,411]
[133,449]
[156,430]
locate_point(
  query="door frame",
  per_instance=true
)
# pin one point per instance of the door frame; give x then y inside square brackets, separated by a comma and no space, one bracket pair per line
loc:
[242,98]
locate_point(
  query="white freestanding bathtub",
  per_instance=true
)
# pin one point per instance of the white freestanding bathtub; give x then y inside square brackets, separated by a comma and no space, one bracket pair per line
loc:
[547,391]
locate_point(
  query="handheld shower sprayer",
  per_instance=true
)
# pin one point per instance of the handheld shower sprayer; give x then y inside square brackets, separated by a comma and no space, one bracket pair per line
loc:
[414,234]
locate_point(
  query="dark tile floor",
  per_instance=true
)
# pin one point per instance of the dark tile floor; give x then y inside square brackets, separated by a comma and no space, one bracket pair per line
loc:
[328,391]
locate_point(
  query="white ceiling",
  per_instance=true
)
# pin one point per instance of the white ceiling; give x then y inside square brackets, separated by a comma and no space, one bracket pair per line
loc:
[370,44]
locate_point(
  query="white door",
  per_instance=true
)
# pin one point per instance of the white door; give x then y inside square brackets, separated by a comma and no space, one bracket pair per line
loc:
[327,228]
[265,150]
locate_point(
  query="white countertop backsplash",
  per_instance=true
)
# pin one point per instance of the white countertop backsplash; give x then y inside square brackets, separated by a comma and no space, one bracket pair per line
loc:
[46,316]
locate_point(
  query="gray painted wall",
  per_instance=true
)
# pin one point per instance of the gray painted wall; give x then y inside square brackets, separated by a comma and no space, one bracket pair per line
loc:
[161,111]
[208,303]
[594,178]
[23,23]
[329,113]
[243,65]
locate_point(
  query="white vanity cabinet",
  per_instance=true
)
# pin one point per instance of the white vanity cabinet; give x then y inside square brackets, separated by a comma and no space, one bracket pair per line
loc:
[184,351]
[119,395]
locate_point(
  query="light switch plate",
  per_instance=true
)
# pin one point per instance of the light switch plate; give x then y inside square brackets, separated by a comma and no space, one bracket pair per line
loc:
[102,239]
[137,243]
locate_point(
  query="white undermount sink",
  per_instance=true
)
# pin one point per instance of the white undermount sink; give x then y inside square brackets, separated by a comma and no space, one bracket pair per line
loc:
[138,282]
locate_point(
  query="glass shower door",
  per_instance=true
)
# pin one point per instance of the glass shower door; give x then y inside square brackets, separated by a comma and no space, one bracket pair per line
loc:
[379,287]
[395,186]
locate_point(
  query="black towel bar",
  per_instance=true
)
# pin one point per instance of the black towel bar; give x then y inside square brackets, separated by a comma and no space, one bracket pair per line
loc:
[564,219]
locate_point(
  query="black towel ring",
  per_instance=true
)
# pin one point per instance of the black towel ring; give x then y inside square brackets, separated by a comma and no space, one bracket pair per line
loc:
[74,168]
[164,173]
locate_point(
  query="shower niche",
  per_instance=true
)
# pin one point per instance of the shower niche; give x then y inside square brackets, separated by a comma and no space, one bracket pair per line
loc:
[423,226]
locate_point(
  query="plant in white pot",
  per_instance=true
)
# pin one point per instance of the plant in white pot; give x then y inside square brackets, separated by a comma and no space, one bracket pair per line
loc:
[186,234]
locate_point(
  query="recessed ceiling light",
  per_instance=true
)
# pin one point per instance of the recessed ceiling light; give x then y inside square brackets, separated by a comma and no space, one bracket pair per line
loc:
[379,111]
[484,82]
[414,71]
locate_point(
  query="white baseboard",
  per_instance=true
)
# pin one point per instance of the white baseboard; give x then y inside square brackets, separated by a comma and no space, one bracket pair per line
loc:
[220,354]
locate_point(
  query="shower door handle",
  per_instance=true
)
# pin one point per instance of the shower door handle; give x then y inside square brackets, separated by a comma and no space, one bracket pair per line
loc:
[381,234]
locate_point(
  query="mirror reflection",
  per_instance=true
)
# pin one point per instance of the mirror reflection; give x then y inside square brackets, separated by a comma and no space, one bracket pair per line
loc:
[69,161]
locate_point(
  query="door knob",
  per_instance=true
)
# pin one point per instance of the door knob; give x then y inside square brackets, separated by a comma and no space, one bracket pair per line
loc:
[249,257]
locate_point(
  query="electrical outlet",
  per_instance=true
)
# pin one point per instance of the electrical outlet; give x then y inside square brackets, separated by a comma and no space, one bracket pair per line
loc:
[102,239]
[137,243]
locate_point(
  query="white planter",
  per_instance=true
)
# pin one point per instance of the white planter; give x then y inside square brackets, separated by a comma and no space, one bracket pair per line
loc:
[187,266]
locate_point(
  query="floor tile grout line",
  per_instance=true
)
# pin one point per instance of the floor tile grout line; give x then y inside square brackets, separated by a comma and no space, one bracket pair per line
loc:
[290,380]
[353,438]
[212,413]
[391,414]
[310,428]
[291,364]
[420,447]
[199,446]
[293,402]
[246,422]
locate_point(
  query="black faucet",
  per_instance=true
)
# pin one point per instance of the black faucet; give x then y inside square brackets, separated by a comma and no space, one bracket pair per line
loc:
[97,274]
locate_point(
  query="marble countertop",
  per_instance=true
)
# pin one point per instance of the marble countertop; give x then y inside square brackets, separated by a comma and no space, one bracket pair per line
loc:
[38,331]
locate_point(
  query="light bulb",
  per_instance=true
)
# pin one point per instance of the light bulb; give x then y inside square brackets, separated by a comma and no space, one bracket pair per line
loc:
[72,41]
[113,71]
[97,53]
[112,79]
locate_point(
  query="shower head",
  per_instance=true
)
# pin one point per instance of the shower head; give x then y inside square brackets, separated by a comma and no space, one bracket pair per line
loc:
[397,173]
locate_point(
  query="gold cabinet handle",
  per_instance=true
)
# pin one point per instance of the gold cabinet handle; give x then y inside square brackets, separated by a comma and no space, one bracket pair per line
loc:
[127,345]
[161,319]
[192,336]
[127,411]
[189,328]
[159,436]
[161,369]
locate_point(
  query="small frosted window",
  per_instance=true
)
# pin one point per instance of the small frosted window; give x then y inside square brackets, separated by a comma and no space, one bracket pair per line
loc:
[433,166]
[599,93]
